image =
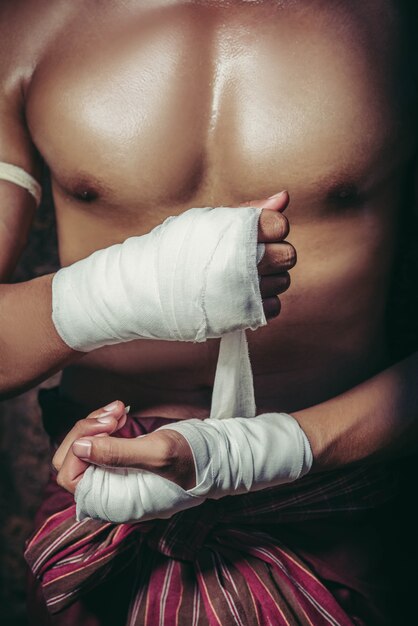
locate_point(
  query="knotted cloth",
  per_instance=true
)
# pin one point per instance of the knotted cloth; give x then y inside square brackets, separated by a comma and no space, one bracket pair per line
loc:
[228,562]
[212,565]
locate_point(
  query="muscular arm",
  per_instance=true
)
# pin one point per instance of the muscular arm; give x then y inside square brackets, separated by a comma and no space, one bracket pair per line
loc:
[377,419]
[30,348]
[110,297]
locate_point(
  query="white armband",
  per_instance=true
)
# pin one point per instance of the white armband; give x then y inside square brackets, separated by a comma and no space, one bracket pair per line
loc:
[18,176]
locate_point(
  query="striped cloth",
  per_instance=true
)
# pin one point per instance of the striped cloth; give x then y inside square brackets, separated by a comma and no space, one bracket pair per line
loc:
[220,564]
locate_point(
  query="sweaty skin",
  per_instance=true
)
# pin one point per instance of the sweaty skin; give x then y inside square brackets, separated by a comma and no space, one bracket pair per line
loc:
[143,110]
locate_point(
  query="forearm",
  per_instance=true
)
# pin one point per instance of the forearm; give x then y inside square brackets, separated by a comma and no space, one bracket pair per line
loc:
[30,347]
[373,420]
[378,419]
[134,290]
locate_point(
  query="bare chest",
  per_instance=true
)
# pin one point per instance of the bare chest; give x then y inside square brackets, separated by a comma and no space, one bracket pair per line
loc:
[208,106]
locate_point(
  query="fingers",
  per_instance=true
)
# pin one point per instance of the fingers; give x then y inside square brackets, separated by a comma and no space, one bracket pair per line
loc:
[271,286]
[167,454]
[103,421]
[278,258]
[153,452]
[71,471]
[278,202]
[279,255]
[115,409]
[271,307]
[275,279]
[272,226]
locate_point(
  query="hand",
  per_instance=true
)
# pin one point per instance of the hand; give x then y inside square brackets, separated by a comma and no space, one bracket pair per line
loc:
[279,257]
[165,453]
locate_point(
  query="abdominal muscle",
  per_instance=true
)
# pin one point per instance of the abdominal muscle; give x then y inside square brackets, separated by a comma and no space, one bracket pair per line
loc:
[184,391]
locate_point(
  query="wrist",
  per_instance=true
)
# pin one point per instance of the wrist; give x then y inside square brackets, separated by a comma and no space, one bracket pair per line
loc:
[319,437]
[238,455]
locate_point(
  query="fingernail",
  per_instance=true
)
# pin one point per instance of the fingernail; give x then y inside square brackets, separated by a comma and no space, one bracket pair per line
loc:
[277,195]
[82,448]
[127,409]
[111,407]
[105,420]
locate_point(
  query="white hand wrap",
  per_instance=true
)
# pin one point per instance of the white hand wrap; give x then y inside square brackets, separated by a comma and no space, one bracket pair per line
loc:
[232,456]
[237,455]
[191,278]
[126,495]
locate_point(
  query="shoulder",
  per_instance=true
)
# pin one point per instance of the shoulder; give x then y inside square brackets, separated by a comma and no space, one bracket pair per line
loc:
[27,28]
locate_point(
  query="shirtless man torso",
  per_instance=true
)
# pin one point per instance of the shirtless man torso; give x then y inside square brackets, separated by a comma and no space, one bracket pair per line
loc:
[143,111]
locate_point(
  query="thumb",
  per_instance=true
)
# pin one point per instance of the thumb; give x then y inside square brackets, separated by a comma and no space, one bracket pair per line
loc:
[278,202]
[108,451]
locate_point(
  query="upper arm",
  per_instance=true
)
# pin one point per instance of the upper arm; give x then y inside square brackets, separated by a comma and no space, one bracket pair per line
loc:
[17,206]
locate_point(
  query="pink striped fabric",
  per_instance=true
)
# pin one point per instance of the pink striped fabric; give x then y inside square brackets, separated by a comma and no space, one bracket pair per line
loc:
[220,564]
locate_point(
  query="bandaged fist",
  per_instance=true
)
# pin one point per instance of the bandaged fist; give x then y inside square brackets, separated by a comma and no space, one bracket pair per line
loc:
[199,275]
[279,255]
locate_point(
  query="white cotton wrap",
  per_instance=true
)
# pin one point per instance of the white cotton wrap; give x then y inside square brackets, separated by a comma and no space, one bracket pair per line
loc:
[191,278]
